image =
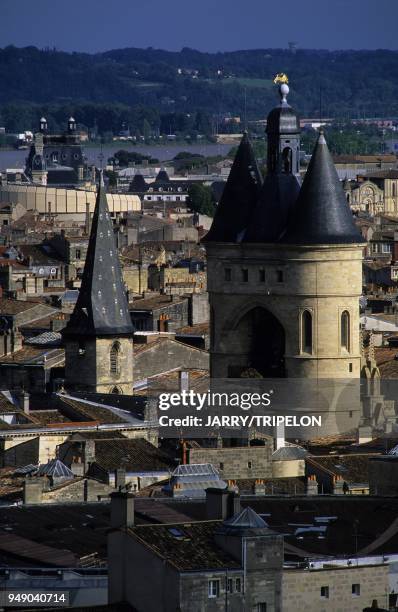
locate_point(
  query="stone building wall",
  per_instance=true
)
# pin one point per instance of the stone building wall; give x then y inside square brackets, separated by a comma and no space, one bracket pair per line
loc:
[301,589]
[135,278]
[90,371]
[70,201]
[324,280]
[167,355]
[237,462]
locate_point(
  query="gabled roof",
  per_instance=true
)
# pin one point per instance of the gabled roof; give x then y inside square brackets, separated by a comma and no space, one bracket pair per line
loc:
[239,197]
[101,308]
[321,214]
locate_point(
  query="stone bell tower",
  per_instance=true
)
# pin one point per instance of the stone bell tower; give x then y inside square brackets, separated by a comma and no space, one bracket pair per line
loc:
[98,337]
[284,264]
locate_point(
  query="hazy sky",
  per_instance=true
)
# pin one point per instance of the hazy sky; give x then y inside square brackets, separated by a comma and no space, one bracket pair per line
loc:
[207,25]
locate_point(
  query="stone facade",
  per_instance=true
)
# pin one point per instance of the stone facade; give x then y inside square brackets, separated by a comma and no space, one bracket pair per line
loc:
[89,365]
[285,281]
[365,197]
[237,463]
[20,450]
[135,277]
[64,201]
[39,491]
[167,354]
[307,589]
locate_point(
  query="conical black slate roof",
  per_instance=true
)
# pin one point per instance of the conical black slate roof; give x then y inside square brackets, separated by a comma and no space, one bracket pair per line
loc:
[321,214]
[101,308]
[277,198]
[239,197]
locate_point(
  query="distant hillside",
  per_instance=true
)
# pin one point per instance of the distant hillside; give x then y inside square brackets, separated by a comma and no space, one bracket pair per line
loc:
[352,83]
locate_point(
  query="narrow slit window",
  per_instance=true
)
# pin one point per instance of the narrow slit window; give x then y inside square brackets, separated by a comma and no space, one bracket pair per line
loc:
[345,330]
[306,332]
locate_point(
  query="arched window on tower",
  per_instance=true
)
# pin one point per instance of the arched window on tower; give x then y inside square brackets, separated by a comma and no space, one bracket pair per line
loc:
[114,359]
[394,190]
[287,160]
[306,332]
[345,330]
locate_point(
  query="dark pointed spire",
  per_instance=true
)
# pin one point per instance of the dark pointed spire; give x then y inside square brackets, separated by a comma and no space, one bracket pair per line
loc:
[101,308]
[239,197]
[321,214]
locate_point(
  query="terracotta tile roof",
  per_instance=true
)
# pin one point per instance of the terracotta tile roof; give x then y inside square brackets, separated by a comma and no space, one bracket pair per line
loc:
[195,330]
[157,301]
[385,359]
[193,550]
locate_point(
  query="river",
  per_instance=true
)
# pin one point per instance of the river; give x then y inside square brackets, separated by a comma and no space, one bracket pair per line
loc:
[16,159]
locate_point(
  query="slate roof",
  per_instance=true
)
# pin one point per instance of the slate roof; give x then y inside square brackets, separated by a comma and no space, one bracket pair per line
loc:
[134,455]
[239,197]
[352,468]
[276,201]
[289,453]
[292,485]
[193,480]
[283,119]
[187,547]
[87,411]
[101,308]
[321,214]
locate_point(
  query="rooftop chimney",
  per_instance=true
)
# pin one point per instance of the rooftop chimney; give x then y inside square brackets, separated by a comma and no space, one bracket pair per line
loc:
[32,490]
[120,478]
[122,510]
[221,504]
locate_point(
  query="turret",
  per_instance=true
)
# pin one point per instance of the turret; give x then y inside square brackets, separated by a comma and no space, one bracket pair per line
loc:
[98,337]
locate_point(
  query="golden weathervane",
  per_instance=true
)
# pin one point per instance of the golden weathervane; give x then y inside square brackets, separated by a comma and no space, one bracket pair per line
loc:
[281,77]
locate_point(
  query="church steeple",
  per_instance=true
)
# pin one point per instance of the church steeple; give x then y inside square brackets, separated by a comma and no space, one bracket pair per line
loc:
[98,337]
[102,307]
